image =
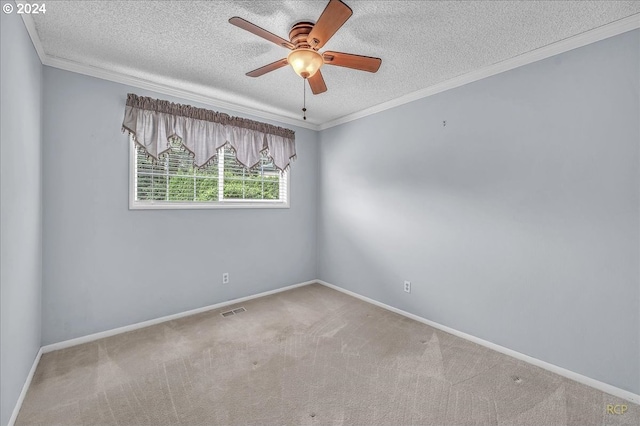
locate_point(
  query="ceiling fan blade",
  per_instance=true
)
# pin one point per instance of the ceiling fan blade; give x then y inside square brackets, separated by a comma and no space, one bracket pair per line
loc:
[348,60]
[268,68]
[333,17]
[317,83]
[260,32]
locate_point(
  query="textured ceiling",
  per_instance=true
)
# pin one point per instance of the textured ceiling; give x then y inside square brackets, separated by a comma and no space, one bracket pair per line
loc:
[190,45]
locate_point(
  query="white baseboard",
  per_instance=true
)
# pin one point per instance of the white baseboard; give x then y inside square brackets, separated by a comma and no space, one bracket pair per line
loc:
[25,388]
[601,386]
[604,387]
[91,337]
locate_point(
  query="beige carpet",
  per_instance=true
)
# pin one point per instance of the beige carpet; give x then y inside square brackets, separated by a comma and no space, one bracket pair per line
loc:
[306,356]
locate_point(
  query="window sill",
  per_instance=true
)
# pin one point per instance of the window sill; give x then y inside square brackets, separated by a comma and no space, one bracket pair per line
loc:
[133,205]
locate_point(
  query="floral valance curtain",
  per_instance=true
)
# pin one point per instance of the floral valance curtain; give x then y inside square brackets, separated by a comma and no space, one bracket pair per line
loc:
[153,123]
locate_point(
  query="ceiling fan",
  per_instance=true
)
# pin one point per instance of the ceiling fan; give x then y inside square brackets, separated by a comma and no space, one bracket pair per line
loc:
[306,38]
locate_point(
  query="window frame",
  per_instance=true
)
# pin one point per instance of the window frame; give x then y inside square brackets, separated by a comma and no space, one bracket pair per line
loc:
[181,205]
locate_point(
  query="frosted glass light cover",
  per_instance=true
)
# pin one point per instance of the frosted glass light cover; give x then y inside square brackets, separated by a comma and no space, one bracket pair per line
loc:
[305,62]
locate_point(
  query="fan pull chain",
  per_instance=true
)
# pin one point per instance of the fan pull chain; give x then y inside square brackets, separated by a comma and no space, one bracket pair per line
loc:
[304,97]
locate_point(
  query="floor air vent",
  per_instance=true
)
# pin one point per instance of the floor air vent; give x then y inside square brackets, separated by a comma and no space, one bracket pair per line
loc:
[233,312]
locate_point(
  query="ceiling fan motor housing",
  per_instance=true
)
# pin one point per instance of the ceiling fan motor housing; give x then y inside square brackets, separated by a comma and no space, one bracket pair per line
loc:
[299,32]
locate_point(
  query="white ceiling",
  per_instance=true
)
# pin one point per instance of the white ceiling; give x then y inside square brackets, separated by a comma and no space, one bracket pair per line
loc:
[191,47]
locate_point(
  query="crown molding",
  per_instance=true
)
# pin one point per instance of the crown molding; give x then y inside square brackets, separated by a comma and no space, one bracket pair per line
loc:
[166,89]
[597,34]
[33,34]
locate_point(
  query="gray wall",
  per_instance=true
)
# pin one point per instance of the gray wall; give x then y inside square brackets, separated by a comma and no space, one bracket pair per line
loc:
[106,266]
[20,209]
[517,223]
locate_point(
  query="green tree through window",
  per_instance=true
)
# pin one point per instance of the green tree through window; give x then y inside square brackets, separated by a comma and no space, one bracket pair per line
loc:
[174,179]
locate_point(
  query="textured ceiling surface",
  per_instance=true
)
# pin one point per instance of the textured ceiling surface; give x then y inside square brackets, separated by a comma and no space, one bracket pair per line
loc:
[190,45]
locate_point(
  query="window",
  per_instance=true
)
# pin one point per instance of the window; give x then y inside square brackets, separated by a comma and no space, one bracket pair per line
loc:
[174,183]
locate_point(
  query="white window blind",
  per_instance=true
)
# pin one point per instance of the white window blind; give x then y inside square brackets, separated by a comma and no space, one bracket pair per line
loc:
[174,182]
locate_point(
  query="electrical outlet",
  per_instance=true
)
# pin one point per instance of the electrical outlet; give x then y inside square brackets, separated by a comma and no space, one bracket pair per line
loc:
[407,286]
[225,278]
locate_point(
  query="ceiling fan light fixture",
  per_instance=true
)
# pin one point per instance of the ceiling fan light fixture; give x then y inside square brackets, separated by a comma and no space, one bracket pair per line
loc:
[305,62]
